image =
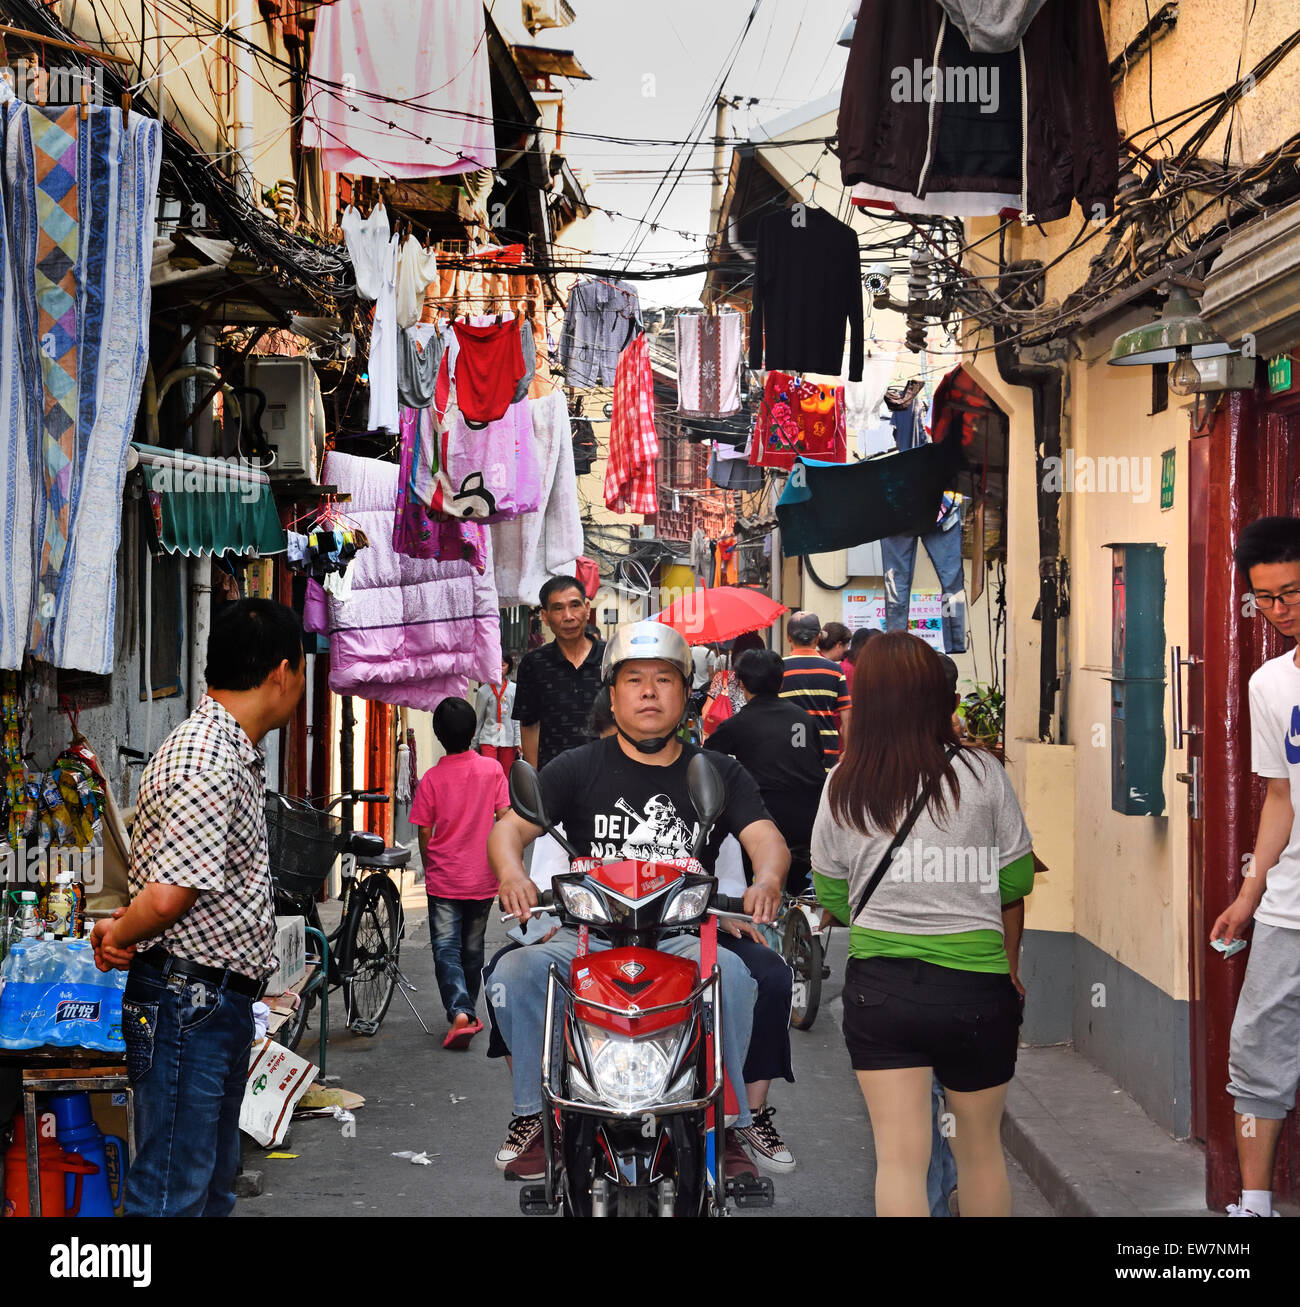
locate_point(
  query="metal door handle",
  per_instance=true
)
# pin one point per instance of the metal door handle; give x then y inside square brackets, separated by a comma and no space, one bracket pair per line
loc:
[1192,779]
[1176,663]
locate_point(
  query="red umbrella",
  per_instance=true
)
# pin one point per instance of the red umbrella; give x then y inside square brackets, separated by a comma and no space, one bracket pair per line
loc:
[710,616]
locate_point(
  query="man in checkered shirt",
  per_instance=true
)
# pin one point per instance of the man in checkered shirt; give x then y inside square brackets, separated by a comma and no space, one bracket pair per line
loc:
[199,936]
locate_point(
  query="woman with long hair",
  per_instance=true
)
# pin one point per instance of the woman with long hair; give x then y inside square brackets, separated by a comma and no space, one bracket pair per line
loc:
[918,841]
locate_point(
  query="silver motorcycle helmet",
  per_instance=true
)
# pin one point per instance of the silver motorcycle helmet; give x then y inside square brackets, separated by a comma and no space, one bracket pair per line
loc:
[638,640]
[647,640]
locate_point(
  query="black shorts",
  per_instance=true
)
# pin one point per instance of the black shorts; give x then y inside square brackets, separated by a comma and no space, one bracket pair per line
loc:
[902,1012]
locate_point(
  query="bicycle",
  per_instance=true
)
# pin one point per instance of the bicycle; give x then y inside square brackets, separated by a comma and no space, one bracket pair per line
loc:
[797,935]
[798,930]
[360,955]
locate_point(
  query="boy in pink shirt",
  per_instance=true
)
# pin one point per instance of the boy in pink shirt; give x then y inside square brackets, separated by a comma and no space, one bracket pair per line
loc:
[454,807]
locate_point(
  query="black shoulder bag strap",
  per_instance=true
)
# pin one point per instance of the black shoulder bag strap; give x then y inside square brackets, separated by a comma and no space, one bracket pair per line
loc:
[903,831]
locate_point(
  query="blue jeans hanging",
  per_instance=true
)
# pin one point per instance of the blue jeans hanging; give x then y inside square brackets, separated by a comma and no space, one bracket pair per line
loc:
[898,557]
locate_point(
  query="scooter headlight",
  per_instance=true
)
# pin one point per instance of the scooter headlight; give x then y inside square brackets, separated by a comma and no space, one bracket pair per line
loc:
[582,903]
[632,1073]
[688,904]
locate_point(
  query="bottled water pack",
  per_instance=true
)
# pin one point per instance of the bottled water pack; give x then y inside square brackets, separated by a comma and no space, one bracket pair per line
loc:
[53,994]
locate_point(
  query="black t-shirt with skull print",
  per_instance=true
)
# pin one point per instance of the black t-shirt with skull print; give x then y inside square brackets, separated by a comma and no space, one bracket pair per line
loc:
[613,807]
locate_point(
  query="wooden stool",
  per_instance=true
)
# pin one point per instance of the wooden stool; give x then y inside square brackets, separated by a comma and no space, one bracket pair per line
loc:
[69,1079]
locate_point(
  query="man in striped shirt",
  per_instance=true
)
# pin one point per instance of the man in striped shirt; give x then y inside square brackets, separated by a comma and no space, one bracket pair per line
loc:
[816,684]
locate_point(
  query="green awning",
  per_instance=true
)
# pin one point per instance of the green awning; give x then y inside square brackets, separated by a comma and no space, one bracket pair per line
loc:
[209,505]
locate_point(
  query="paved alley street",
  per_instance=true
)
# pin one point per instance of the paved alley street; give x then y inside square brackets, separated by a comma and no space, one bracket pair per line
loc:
[455,1107]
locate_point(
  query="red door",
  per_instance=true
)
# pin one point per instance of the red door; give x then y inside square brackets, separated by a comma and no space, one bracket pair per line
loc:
[1253,470]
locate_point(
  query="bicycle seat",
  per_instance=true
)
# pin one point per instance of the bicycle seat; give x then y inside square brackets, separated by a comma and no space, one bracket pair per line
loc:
[391,859]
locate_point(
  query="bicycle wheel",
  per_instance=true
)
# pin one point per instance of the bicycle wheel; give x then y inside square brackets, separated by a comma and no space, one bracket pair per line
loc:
[803,951]
[369,944]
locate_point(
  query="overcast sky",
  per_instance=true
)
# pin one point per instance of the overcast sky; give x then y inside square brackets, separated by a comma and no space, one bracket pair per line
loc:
[655,64]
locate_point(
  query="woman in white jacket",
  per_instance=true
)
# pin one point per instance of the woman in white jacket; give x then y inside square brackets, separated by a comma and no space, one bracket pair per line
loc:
[497,734]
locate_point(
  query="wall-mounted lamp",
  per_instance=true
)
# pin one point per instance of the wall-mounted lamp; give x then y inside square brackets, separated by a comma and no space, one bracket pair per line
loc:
[1178,336]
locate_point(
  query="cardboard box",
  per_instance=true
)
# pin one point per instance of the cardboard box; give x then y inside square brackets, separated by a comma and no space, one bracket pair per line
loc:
[291,950]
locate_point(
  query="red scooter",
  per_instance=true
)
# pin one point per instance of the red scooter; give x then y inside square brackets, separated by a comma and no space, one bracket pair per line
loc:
[632,1074]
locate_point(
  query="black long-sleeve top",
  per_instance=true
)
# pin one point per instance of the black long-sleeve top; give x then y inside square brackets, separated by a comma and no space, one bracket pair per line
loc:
[807,284]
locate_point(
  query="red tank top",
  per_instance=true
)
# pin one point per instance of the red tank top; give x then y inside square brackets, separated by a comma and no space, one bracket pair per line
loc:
[489,366]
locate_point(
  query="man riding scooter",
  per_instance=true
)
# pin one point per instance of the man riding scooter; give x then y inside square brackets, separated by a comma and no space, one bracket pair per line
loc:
[611,797]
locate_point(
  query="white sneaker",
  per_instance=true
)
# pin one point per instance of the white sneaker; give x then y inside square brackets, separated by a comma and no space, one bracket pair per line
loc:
[1236,1209]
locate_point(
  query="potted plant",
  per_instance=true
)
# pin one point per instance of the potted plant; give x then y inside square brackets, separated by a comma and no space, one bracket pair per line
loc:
[981,712]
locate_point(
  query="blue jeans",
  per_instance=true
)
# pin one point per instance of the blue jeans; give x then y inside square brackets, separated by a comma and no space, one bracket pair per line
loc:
[187,1044]
[941,1179]
[518,996]
[898,558]
[456,930]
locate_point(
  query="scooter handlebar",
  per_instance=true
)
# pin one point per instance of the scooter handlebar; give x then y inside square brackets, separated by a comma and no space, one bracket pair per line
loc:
[726,903]
[545,899]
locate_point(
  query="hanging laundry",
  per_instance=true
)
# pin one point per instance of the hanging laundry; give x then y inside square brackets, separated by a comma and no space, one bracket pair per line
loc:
[832,507]
[536,546]
[419,353]
[730,469]
[396,90]
[488,364]
[418,532]
[416,268]
[414,631]
[76,238]
[585,448]
[807,289]
[700,556]
[587,570]
[797,417]
[709,351]
[488,472]
[1033,143]
[633,445]
[599,320]
[373,251]
[724,562]
[863,398]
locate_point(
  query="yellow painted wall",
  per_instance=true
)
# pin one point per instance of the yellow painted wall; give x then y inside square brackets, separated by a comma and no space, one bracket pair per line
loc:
[201,109]
[674,582]
[1120,881]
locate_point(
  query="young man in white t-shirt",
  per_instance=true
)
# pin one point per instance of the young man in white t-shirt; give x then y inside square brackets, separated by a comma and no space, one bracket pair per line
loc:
[1264,1050]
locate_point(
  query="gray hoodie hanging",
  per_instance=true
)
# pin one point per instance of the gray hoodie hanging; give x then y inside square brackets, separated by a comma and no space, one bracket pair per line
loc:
[992,26]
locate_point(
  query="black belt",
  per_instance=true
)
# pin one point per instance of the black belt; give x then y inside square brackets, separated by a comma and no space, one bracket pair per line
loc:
[169,964]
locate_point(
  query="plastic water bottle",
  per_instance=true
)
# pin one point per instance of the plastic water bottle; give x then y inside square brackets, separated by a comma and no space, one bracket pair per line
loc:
[17,995]
[26,922]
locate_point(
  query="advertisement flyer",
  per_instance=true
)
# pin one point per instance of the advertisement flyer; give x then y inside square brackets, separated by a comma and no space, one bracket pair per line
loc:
[925,613]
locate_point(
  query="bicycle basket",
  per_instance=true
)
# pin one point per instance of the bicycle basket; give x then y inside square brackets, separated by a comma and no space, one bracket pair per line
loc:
[302,843]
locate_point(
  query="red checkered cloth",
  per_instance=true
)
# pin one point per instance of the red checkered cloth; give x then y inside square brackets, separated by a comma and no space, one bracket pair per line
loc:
[633,445]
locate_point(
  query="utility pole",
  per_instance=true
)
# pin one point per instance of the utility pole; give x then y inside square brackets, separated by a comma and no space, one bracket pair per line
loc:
[242,61]
[720,107]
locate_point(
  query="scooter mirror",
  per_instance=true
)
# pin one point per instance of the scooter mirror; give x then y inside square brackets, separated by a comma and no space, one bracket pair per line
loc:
[708,796]
[526,800]
[526,793]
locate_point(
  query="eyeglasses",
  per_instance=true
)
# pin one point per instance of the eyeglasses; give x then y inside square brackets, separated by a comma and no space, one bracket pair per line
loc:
[1288,599]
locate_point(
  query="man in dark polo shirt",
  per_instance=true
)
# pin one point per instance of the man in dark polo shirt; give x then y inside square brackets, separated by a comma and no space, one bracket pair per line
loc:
[557,684]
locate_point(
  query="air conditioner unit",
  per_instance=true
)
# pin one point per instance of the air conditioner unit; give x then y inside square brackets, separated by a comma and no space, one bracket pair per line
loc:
[294,419]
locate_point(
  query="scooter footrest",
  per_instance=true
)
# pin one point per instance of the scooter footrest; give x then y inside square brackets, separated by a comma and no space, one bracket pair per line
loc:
[751,1191]
[532,1201]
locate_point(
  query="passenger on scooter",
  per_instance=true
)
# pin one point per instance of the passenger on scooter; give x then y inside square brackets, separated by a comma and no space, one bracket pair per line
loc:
[611,795]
